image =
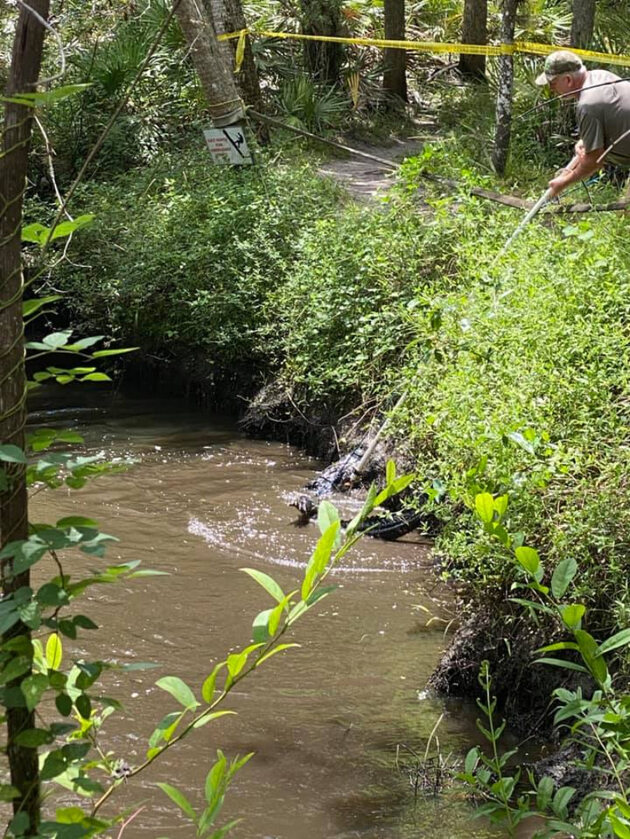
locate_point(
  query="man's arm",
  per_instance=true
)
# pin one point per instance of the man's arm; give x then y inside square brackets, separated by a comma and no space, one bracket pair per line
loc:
[583,165]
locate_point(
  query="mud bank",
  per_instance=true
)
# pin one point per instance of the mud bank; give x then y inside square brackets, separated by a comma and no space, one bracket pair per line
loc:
[497,632]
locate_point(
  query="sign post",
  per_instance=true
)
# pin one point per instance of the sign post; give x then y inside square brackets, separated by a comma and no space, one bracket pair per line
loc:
[228,146]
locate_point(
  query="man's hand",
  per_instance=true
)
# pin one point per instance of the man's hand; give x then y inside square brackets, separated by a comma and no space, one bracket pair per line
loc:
[557,184]
[583,165]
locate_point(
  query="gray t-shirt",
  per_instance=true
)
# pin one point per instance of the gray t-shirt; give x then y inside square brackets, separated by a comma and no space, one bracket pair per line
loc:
[603,115]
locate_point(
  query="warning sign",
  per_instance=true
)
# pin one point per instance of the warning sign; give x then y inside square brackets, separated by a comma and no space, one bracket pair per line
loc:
[228,145]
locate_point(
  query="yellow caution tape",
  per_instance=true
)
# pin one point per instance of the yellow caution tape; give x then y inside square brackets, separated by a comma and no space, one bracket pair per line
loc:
[438,47]
[240,50]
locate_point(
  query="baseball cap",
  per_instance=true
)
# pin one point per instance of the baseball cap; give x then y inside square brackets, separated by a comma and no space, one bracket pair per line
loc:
[557,63]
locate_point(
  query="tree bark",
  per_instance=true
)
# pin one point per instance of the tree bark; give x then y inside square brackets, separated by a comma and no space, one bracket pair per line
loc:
[503,128]
[395,61]
[582,24]
[16,135]
[228,16]
[322,59]
[215,75]
[474,31]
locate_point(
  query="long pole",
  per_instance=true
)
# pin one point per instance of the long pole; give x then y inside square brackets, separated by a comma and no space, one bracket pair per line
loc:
[547,195]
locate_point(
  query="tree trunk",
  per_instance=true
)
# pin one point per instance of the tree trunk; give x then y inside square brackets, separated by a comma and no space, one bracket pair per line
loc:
[215,75]
[228,16]
[322,17]
[16,135]
[504,95]
[582,23]
[395,61]
[474,31]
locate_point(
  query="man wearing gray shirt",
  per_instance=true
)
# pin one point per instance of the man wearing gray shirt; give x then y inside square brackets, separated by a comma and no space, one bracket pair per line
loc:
[603,115]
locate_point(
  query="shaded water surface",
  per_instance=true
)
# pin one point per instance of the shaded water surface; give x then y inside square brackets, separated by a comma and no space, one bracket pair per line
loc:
[325,721]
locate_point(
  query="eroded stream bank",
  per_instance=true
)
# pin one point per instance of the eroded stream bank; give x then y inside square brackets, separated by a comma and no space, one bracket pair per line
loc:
[325,720]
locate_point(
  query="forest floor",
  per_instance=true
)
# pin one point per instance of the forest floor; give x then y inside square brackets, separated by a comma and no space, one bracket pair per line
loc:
[366,179]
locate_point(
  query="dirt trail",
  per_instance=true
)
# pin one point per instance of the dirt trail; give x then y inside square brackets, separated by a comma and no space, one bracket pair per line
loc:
[366,179]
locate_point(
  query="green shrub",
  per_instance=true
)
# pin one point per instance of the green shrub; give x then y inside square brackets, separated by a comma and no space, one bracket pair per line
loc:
[182,254]
[516,367]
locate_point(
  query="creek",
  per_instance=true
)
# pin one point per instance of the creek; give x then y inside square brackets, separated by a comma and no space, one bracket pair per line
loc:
[335,725]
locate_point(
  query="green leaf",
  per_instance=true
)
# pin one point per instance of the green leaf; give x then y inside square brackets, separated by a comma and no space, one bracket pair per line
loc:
[563,574]
[572,615]
[393,489]
[32,738]
[544,792]
[276,614]
[31,306]
[589,649]
[54,652]
[206,718]
[558,662]
[520,440]
[56,340]
[236,661]
[500,505]
[8,793]
[51,594]
[35,233]
[33,688]
[472,759]
[530,561]
[179,799]
[267,582]
[64,704]
[106,353]
[260,626]
[208,687]
[77,521]
[531,604]
[179,690]
[84,622]
[368,506]
[47,97]
[12,454]
[89,673]
[83,344]
[622,830]
[484,505]
[14,668]
[166,728]
[67,628]
[275,650]
[96,377]
[561,800]
[19,824]
[222,832]
[65,228]
[560,645]
[327,515]
[620,639]
[83,706]
[323,550]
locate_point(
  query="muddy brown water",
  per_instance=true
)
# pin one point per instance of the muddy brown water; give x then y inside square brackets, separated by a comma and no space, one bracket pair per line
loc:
[335,724]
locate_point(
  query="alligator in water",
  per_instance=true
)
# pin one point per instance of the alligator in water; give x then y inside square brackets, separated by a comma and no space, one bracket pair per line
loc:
[391,526]
[338,476]
[341,476]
